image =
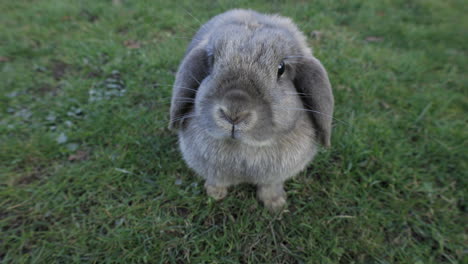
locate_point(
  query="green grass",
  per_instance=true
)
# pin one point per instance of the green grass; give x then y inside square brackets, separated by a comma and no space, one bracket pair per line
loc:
[98,178]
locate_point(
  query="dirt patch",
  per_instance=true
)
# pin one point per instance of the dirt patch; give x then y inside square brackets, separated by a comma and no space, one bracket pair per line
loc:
[123,29]
[46,88]
[30,177]
[59,69]
[90,17]
[94,74]
[182,212]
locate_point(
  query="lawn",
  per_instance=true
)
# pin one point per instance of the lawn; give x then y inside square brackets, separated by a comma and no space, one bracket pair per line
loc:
[89,172]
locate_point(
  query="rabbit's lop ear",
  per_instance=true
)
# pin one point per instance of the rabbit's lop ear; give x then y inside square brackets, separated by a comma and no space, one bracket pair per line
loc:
[192,71]
[312,80]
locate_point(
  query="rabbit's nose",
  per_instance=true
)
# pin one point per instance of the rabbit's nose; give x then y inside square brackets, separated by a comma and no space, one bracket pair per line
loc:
[233,118]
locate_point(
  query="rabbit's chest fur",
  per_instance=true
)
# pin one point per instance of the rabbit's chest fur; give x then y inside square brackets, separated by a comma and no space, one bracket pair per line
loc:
[230,162]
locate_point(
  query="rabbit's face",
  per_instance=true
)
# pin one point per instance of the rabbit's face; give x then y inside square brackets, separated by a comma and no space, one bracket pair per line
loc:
[249,78]
[248,94]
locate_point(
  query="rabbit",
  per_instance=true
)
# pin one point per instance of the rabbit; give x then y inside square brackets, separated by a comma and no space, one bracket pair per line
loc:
[250,104]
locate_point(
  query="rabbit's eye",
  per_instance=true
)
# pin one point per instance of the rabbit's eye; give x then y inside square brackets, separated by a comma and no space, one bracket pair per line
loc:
[281,68]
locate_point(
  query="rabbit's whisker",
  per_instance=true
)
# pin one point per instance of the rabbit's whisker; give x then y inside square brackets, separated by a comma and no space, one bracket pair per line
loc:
[195,79]
[196,19]
[177,86]
[177,98]
[183,101]
[168,103]
[317,112]
[183,117]
[185,98]
[186,88]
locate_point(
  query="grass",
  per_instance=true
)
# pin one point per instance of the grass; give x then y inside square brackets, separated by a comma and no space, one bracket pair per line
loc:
[89,173]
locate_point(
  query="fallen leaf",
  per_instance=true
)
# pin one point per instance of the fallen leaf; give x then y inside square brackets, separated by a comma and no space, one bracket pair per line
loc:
[384,105]
[374,39]
[4,59]
[132,44]
[80,155]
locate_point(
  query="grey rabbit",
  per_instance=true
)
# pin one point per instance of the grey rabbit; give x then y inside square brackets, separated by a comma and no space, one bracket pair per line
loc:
[250,104]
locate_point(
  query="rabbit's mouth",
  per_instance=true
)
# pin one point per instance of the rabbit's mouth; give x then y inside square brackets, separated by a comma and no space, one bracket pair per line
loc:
[240,137]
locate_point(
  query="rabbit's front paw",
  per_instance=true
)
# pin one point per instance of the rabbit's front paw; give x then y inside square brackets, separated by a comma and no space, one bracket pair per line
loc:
[272,196]
[275,204]
[217,192]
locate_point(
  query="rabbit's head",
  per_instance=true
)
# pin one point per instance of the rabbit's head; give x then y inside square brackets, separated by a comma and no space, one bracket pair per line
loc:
[250,83]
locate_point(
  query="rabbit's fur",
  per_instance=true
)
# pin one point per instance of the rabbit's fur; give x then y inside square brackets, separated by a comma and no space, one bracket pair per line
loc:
[237,118]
